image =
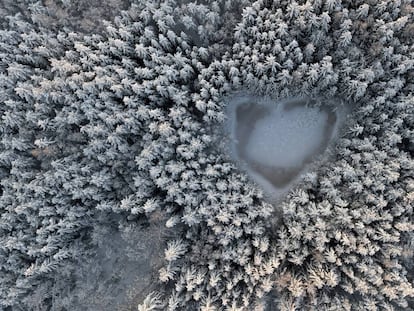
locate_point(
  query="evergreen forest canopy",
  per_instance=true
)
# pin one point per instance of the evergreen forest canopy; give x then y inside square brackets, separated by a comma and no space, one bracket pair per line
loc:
[117,133]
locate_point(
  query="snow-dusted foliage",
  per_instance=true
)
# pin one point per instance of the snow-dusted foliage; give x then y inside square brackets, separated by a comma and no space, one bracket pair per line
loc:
[125,127]
[87,121]
[77,15]
[341,243]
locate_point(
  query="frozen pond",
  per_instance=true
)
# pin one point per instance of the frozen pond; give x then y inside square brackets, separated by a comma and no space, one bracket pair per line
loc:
[276,141]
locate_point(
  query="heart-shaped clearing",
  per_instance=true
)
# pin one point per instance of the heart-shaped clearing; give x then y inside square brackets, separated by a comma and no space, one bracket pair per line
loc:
[276,141]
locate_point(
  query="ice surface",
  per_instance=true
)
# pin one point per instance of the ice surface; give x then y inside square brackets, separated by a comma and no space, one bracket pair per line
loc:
[285,138]
[276,141]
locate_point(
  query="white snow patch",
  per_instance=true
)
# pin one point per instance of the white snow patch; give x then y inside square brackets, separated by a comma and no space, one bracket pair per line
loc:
[275,142]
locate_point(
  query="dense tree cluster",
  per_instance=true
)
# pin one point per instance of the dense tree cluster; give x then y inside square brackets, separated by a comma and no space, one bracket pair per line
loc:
[347,231]
[87,121]
[125,127]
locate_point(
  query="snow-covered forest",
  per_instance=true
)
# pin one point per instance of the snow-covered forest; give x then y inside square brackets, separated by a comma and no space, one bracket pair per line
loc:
[209,155]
